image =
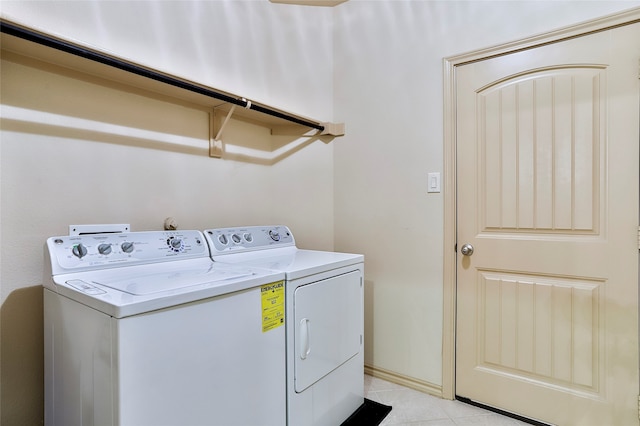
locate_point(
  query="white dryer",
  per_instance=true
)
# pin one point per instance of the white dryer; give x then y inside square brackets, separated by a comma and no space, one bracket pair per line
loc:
[324,318]
[143,328]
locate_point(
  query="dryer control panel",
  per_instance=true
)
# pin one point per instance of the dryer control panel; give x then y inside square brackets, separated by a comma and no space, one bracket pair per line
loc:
[223,240]
[81,252]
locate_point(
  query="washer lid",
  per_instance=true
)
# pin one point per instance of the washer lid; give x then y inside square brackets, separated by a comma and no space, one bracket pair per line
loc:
[127,291]
[170,280]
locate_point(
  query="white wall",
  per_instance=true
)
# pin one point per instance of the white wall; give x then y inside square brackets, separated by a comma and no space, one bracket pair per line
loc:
[99,160]
[389,91]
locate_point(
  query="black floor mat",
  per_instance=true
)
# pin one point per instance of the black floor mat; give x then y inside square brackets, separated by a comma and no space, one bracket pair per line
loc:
[370,413]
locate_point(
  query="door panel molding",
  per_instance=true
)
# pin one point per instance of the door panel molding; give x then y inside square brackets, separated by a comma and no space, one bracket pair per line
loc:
[525,200]
[525,345]
[450,65]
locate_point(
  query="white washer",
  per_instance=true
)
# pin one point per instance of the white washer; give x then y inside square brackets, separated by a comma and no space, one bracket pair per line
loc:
[143,328]
[324,319]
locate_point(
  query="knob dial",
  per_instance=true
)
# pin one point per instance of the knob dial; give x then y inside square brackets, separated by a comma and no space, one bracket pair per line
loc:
[248,237]
[223,240]
[104,248]
[127,247]
[275,236]
[236,238]
[79,251]
[175,244]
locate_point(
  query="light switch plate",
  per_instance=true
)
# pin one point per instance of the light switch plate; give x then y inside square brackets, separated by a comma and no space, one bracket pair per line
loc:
[433,182]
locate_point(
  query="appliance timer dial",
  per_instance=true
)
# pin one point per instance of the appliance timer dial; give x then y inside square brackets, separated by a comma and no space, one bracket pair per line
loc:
[104,248]
[79,251]
[175,244]
[127,247]
[275,236]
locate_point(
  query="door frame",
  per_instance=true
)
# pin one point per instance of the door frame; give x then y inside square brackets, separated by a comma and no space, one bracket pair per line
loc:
[450,65]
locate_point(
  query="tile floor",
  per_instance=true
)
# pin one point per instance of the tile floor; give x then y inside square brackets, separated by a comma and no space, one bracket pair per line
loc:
[414,408]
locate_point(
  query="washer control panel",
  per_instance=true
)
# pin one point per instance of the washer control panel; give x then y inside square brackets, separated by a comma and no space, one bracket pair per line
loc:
[222,240]
[80,252]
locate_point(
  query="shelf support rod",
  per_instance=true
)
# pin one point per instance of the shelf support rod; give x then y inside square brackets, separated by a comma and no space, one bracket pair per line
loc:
[16,30]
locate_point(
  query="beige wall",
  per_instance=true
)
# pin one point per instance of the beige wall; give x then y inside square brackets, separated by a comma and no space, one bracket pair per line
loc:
[76,151]
[99,159]
[388,89]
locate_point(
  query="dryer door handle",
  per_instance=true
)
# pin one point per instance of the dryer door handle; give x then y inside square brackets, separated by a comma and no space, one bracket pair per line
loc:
[304,338]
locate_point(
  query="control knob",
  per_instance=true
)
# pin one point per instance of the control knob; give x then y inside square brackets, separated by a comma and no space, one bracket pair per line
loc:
[275,236]
[176,243]
[79,251]
[127,247]
[104,248]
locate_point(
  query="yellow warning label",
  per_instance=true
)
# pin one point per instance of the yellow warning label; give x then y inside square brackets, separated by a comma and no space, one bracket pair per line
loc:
[272,305]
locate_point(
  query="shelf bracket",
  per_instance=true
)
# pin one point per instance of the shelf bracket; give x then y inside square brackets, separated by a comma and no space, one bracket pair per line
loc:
[333,129]
[215,142]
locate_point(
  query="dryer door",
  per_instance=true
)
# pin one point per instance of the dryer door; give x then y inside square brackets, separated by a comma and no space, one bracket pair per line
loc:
[328,326]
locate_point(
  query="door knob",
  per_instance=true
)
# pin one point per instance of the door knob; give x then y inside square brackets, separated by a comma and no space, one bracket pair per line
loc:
[467,249]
